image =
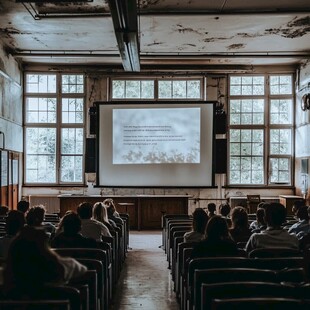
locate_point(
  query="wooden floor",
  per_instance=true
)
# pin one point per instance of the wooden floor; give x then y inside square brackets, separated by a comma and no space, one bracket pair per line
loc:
[145,282]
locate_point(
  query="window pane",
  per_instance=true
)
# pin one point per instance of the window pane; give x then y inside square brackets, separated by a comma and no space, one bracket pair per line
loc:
[132,89]
[193,89]
[40,110]
[246,157]
[179,89]
[72,141]
[71,169]
[147,89]
[280,141]
[72,84]
[281,85]
[40,155]
[279,170]
[281,111]
[72,110]
[40,83]
[247,112]
[247,85]
[164,89]
[118,89]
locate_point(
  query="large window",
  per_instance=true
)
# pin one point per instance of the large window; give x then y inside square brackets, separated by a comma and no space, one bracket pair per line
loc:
[260,129]
[54,134]
[157,89]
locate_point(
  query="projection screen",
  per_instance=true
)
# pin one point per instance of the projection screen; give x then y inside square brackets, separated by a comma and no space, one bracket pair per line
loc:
[155,144]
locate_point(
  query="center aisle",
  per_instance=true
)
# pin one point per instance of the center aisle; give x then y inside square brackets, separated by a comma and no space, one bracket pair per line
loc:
[145,282]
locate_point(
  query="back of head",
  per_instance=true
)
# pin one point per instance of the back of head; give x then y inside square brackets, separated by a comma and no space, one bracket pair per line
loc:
[15,221]
[260,216]
[211,207]
[4,210]
[224,209]
[296,205]
[217,228]
[275,214]
[100,212]
[71,223]
[35,215]
[109,203]
[31,263]
[23,206]
[302,213]
[200,219]
[239,218]
[85,210]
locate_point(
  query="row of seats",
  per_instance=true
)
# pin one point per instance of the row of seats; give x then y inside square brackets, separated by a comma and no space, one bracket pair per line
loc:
[208,283]
[94,290]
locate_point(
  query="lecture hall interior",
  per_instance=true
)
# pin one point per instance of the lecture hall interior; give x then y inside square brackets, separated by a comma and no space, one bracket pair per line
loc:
[165,107]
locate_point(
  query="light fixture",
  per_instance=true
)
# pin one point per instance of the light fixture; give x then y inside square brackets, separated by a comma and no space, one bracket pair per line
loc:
[124,16]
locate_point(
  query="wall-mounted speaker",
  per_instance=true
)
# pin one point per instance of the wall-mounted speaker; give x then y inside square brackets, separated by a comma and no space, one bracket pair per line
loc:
[304,166]
[221,156]
[90,155]
[92,120]
[220,124]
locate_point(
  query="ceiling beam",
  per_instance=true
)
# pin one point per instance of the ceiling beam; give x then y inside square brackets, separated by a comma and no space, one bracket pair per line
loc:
[125,22]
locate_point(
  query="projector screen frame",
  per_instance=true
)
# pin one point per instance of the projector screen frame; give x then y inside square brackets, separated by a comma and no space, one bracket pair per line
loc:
[153,104]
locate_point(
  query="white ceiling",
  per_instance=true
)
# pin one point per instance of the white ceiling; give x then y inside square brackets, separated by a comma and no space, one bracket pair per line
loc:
[173,34]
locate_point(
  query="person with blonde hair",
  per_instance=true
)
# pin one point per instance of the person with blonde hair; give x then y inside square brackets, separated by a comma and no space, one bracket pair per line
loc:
[101,215]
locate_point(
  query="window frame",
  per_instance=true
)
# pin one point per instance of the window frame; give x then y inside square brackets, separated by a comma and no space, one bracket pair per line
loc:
[58,125]
[266,127]
[156,79]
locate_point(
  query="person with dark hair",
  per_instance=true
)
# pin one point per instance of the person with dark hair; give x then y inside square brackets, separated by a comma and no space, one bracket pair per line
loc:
[200,219]
[260,223]
[91,228]
[31,264]
[302,226]
[296,205]
[15,221]
[225,209]
[3,211]
[274,236]
[240,231]
[35,217]
[23,206]
[217,241]
[211,209]
[71,236]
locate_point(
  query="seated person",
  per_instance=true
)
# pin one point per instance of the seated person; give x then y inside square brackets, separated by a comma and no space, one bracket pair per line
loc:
[200,219]
[112,213]
[211,209]
[225,209]
[100,214]
[217,242]
[260,221]
[31,264]
[91,228]
[35,217]
[274,236]
[240,231]
[3,211]
[23,206]
[302,226]
[14,222]
[71,237]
